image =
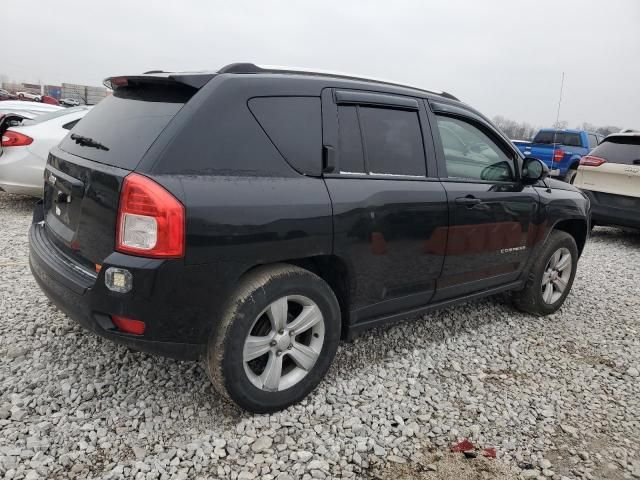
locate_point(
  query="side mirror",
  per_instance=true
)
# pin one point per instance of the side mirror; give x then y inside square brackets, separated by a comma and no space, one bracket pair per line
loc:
[533,171]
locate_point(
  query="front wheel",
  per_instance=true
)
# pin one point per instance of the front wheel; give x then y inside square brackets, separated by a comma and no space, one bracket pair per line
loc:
[276,340]
[551,276]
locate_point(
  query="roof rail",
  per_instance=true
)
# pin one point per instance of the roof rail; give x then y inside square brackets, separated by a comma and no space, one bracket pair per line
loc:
[253,68]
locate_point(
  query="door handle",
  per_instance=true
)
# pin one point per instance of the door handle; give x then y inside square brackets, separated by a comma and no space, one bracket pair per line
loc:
[469,201]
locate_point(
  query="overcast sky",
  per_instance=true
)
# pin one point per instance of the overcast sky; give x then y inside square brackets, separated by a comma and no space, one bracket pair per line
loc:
[501,56]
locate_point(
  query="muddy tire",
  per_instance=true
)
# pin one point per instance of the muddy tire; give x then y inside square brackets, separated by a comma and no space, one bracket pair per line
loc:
[275,340]
[551,276]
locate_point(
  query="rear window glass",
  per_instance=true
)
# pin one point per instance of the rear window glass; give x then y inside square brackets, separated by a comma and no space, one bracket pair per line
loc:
[562,138]
[294,126]
[126,123]
[622,149]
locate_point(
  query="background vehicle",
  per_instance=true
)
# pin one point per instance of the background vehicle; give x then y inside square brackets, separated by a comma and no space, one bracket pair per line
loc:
[610,176]
[27,109]
[4,95]
[50,100]
[24,149]
[29,96]
[69,102]
[560,150]
[280,209]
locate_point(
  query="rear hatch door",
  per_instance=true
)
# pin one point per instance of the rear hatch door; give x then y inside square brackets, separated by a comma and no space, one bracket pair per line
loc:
[85,172]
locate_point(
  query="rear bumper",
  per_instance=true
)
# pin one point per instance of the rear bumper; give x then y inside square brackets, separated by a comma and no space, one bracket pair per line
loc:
[609,209]
[81,295]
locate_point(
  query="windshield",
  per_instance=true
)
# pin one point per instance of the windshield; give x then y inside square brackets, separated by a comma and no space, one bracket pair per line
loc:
[126,123]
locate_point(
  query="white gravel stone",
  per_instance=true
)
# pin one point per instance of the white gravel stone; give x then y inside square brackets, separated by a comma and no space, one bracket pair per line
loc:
[541,390]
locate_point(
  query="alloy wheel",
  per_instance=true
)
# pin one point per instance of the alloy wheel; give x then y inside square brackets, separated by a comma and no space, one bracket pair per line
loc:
[283,343]
[557,273]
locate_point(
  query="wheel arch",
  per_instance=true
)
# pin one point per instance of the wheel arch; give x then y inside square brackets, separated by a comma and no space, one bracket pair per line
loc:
[577,228]
[333,270]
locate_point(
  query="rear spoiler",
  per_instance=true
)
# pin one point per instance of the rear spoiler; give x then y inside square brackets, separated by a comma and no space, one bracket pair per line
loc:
[195,80]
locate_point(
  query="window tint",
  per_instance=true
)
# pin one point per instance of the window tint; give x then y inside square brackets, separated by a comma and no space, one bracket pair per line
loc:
[294,126]
[351,157]
[470,154]
[127,123]
[563,138]
[593,141]
[393,141]
[620,149]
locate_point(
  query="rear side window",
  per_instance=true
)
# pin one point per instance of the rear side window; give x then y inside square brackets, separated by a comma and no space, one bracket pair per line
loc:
[294,125]
[350,141]
[393,141]
[621,149]
[126,123]
[381,141]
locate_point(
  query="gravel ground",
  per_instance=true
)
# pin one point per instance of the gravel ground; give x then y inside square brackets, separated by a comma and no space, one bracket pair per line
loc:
[557,397]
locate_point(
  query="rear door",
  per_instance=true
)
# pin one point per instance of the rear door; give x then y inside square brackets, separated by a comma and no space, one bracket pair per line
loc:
[490,212]
[84,173]
[389,210]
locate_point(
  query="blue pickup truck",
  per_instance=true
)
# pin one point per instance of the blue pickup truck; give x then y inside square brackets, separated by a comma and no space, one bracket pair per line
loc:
[561,150]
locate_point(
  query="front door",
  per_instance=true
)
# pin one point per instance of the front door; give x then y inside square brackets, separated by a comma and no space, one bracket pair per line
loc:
[491,213]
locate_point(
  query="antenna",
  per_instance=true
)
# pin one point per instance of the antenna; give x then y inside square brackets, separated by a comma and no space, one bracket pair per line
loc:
[560,99]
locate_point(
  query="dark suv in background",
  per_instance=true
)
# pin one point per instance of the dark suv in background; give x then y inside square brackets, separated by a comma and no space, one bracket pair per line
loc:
[253,216]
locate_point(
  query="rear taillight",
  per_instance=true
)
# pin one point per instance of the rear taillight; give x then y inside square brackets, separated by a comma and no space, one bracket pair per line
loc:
[558,155]
[591,161]
[15,139]
[150,220]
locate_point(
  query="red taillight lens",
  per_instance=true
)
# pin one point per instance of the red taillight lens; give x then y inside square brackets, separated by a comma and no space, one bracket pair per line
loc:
[558,155]
[128,325]
[591,161]
[150,220]
[15,139]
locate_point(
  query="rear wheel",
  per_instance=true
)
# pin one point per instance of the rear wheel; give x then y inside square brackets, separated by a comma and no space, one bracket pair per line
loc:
[551,276]
[276,340]
[570,177]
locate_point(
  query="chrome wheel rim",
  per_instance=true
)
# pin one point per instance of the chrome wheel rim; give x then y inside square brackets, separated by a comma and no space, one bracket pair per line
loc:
[283,343]
[557,273]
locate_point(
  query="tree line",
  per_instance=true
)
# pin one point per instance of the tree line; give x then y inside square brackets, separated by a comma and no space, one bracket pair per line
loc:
[525,131]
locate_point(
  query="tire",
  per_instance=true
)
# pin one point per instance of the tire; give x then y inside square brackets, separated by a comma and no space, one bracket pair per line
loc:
[256,309]
[570,177]
[535,297]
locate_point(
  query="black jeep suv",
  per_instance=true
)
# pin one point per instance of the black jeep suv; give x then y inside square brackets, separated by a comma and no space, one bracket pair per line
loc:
[254,216]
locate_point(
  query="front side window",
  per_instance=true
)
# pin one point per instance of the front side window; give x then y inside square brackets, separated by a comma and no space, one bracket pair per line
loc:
[470,154]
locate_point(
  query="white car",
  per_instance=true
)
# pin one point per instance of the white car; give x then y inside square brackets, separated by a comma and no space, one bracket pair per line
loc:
[24,149]
[69,102]
[26,109]
[610,176]
[29,96]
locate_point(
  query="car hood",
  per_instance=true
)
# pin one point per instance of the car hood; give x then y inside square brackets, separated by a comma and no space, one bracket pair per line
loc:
[560,185]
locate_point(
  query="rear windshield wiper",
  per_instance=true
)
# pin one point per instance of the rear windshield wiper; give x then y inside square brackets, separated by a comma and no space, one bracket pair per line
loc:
[88,142]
